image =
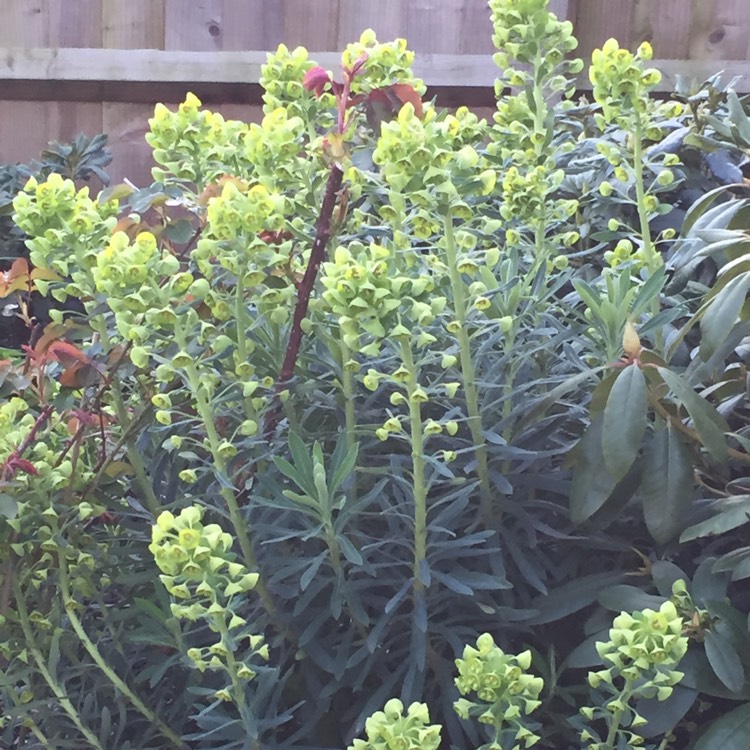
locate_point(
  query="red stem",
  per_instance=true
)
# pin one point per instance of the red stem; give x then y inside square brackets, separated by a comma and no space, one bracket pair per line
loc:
[304,290]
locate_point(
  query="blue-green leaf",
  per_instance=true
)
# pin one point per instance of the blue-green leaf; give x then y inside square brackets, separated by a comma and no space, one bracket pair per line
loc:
[709,424]
[730,732]
[724,661]
[721,315]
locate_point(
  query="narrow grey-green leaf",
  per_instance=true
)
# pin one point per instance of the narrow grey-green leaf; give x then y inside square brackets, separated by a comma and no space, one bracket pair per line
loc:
[667,486]
[724,661]
[709,424]
[730,732]
[726,520]
[721,315]
[624,421]
[592,483]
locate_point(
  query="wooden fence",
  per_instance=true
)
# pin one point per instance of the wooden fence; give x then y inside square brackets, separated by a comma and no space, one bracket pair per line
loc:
[68,66]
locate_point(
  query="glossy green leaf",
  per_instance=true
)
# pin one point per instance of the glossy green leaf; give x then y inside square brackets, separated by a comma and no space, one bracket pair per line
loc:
[724,661]
[624,421]
[667,486]
[592,483]
[709,424]
[730,732]
[721,315]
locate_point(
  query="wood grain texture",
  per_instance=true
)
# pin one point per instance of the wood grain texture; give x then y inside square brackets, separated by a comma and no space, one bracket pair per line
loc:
[194,25]
[720,30]
[27,127]
[598,20]
[665,24]
[136,24]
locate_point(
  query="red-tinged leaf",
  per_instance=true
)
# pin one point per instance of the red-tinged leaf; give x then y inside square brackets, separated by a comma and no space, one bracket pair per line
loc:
[19,269]
[358,63]
[80,376]
[45,274]
[405,92]
[316,79]
[67,354]
[15,464]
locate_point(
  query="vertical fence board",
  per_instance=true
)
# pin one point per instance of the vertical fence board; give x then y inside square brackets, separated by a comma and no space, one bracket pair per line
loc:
[387,19]
[476,29]
[27,127]
[665,24]
[598,20]
[137,24]
[311,23]
[193,24]
[252,24]
[435,25]
[720,30]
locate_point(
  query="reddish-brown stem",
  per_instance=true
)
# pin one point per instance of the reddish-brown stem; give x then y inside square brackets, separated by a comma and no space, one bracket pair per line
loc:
[8,466]
[304,290]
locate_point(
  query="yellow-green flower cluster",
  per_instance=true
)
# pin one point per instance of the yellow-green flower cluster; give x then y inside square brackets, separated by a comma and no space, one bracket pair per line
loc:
[242,236]
[197,564]
[516,23]
[386,63]
[66,229]
[274,149]
[526,196]
[645,645]
[432,159]
[281,78]
[369,298]
[533,47]
[194,145]
[142,285]
[506,692]
[643,650]
[390,729]
[621,81]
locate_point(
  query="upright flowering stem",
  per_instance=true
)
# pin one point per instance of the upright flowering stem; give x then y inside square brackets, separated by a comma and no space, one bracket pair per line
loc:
[653,258]
[70,606]
[238,687]
[238,523]
[350,416]
[41,663]
[419,485]
[134,455]
[468,372]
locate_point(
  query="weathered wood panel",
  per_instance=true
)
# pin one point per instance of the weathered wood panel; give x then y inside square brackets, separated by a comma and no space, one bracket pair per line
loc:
[88,65]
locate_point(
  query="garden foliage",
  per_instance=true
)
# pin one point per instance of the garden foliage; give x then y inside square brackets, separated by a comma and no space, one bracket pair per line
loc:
[378,419]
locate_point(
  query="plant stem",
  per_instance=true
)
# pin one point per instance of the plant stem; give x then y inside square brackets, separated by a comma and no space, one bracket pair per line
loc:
[240,314]
[468,374]
[654,260]
[41,663]
[417,460]
[134,456]
[237,687]
[350,415]
[609,744]
[70,606]
[238,524]
[305,288]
